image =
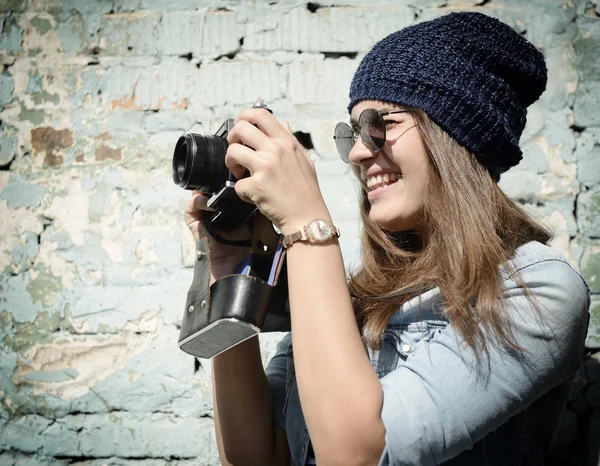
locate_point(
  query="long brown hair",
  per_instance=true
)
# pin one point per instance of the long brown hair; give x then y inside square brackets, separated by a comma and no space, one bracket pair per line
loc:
[472,228]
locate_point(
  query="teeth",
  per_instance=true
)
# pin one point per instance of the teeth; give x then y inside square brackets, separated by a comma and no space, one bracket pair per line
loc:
[386,178]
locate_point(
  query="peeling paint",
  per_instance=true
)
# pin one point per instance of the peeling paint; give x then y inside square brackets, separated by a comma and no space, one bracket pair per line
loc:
[70,211]
[127,102]
[22,194]
[44,285]
[556,163]
[107,153]
[37,92]
[37,117]
[11,34]
[6,88]
[8,143]
[43,329]
[52,143]
[109,356]
[43,25]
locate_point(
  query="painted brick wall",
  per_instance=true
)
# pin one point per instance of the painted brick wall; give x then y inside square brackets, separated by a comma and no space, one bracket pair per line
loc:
[94,259]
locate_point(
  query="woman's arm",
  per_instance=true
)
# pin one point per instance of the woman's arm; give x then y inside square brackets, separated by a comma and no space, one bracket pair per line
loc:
[243,410]
[340,393]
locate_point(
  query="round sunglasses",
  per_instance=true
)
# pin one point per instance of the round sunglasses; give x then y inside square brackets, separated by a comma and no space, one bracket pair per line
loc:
[371,128]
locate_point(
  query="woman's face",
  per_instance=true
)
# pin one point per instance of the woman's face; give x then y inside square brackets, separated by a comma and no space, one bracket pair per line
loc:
[394,178]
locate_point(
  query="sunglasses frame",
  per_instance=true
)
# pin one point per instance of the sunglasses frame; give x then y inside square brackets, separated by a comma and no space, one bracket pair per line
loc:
[368,141]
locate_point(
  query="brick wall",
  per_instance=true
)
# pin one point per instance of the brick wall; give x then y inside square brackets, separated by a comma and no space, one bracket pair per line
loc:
[95,261]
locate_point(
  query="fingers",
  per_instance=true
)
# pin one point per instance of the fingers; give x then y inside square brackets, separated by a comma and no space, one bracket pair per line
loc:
[249,135]
[246,190]
[239,158]
[264,120]
[199,201]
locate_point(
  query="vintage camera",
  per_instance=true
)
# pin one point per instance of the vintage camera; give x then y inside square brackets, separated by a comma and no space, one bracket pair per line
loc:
[199,164]
[252,300]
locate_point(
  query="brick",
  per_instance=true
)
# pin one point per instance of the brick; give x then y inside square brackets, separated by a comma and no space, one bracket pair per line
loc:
[167,120]
[520,185]
[140,86]
[202,32]
[588,213]
[72,33]
[588,157]
[130,436]
[182,32]
[590,266]
[534,158]
[131,33]
[321,81]
[174,5]
[13,437]
[335,29]
[238,82]
[587,96]
[221,34]
[593,336]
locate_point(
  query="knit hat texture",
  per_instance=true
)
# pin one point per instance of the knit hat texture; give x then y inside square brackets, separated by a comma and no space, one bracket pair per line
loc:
[472,74]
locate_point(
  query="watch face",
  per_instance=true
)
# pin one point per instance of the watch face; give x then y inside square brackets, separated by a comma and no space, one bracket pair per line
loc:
[320,230]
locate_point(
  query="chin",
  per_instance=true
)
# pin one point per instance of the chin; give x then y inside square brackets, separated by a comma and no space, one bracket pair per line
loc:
[392,223]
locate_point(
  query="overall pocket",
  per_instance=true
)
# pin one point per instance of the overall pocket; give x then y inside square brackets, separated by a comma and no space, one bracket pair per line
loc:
[399,342]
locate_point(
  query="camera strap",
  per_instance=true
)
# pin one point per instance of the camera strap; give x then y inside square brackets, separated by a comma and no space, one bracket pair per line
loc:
[213,232]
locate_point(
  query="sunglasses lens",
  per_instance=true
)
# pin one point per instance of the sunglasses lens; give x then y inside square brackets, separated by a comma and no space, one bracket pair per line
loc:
[344,140]
[372,129]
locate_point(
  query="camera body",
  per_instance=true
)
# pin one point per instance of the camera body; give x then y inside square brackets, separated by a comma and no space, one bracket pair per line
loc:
[252,300]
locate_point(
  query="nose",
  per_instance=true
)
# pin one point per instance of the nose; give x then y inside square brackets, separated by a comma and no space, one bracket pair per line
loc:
[361,153]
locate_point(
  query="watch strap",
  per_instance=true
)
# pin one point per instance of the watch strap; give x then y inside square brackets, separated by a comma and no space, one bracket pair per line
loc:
[288,240]
[303,235]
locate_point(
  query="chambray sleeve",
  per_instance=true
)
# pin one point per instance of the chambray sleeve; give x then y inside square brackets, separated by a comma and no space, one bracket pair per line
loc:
[276,374]
[437,404]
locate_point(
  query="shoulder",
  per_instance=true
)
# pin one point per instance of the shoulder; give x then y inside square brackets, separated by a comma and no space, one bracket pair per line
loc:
[548,277]
[535,258]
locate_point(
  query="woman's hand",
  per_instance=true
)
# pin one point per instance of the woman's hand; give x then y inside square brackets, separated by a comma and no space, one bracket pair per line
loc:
[224,258]
[283,182]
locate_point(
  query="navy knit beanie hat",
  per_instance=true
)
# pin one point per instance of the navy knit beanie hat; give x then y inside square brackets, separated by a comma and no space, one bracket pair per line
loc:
[470,73]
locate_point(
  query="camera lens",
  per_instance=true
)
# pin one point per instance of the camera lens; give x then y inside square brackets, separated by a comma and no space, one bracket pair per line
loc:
[199,162]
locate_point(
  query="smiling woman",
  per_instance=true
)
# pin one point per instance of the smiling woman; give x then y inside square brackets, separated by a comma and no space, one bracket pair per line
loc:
[401,157]
[459,335]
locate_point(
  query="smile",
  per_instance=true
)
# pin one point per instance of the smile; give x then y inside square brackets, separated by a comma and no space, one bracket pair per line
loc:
[381,181]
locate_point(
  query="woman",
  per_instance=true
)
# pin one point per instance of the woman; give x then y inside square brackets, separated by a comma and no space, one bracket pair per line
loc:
[457,339]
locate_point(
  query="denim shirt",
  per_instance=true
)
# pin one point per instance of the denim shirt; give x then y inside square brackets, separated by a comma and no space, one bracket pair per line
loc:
[440,406]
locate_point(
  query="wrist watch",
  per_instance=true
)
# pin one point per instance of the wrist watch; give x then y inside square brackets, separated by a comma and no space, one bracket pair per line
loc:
[317,231]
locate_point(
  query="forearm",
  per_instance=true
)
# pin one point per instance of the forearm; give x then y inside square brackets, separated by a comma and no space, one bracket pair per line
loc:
[340,393]
[243,409]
